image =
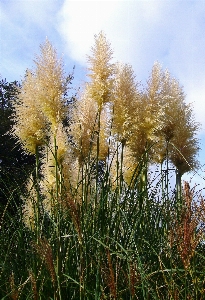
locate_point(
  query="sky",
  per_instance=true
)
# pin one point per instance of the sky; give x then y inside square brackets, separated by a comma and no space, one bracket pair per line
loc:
[140,32]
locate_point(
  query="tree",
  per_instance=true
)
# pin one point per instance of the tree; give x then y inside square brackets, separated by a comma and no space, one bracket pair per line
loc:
[14,163]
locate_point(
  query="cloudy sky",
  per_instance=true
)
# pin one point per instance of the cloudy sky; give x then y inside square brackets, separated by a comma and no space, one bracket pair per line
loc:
[140,31]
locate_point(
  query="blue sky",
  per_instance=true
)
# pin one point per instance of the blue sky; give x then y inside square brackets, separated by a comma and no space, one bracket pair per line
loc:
[140,32]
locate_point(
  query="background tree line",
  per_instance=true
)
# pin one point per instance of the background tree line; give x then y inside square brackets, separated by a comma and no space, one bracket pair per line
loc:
[15,164]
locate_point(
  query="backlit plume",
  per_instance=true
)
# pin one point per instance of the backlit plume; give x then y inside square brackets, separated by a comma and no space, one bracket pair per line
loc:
[125,96]
[101,70]
[51,84]
[29,206]
[57,157]
[30,122]
[41,100]
[84,125]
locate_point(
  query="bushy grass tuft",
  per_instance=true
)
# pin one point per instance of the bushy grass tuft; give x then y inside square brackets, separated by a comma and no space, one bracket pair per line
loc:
[114,244]
[92,222]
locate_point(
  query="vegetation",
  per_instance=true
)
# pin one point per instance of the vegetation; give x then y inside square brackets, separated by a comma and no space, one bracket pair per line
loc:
[93,220]
[14,164]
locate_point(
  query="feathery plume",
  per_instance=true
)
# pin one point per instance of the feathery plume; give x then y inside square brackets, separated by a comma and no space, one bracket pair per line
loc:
[185,144]
[29,208]
[59,170]
[41,100]
[125,96]
[83,127]
[29,121]
[101,70]
[51,84]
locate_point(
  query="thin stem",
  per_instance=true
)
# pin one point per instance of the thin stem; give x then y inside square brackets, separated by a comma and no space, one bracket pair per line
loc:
[38,196]
[97,155]
[57,215]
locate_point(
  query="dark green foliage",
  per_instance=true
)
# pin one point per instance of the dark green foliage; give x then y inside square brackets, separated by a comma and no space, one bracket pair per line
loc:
[15,165]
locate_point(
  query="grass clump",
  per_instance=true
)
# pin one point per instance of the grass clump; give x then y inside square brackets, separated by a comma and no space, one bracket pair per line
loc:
[93,223]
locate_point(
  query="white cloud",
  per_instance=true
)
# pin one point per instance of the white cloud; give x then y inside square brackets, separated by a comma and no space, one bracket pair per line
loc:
[122,21]
[142,32]
[81,20]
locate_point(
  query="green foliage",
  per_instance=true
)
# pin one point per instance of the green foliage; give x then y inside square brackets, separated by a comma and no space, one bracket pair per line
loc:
[14,163]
